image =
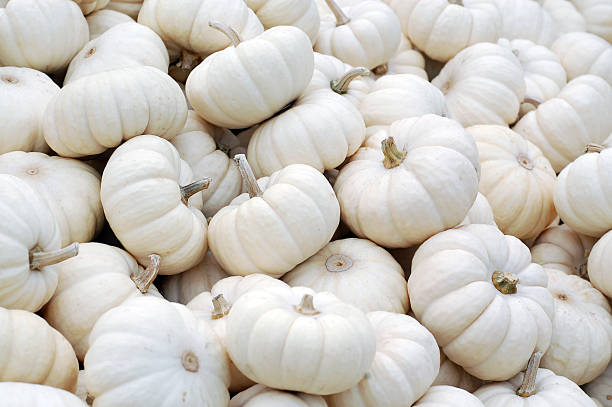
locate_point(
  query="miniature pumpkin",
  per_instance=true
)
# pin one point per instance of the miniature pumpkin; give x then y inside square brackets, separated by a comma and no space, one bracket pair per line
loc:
[480,212]
[598,16]
[234,287]
[526,19]
[584,53]
[600,389]
[448,396]
[452,374]
[599,263]
[407,59]
[262,396]
[302,14]
[35,395]
[129,7]
[566,17]
[102,20]
[561,248]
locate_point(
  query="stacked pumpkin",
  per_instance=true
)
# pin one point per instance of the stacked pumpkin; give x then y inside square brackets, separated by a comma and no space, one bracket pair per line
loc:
[300,203]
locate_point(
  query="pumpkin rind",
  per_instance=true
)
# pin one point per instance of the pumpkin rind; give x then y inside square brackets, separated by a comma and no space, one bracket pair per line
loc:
[584,53]
[599,263]
[302,14]
[448,396]
[262,396]
[561,248]
[16,394]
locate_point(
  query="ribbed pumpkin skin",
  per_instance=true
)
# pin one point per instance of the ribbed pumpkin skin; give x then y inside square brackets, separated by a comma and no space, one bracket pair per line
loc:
[16,394]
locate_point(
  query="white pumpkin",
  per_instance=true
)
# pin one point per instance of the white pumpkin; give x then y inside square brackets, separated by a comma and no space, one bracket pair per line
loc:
[483,84]
[13,394]
[295,339]
[526,19]
[263,396]
[33,352]
[356,271]
[407,59]
[598,16]
[584,53]
[599,264]
[70,188]
[30,245]
[129,7]
[81,390]
[367,34]
[102,20]
[283,220]
[89,6]
[403,346]
[61,31]
[98,279]
[151,352]
[562,126]
[442,28]
[479,294]
[561,248]
[423,180]
[480,213]
[234,287]
[24,95]
[600,389]
[152,202]
[452,374]
[448,396]
[302,14]
[565,15]
[517,180]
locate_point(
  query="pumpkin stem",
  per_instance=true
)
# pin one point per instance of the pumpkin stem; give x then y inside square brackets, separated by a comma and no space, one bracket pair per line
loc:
[188,61]
[338,262]
[189,190]
[227,30]
[505,282]
[594,148]
[532,101]
[42,259]
[143,278]
[528,386]
[248,176]
[341,18]
[306,306]
[381,69]
[220,307]
[190,362]
[341,85]
[393,157]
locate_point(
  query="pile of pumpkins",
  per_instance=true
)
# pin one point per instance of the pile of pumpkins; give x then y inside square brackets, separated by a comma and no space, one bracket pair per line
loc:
[305,203]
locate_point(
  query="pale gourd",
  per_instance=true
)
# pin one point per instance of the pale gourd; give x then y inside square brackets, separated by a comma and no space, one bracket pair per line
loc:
[296,339]
[584,53]
[70,188]
[600,389]
[16,394]
[367,34]
[149,351]
[517,180]
[24,95]
[479,294]
[599,264]
[403,346]
[483,84]
[61,31]
[152,203]
[129,7]
[411,181]
[442,28]
[452,374]
[302,14]
[396,97]
[566,17]
[234,287]
[121,46]
[448,396]
[102,20]
[233,89]
[406,59]
[263,396]
[30,246]
[282,220]
[89,6]
[561,248]
[88,115]
[581,344]
[197,146]
[356,271]
[562,126]
[98,279]
[598,16]
[480,213]
[526,19]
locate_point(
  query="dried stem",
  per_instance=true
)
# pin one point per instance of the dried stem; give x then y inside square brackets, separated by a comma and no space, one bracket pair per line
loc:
[42,259]
[505,282]
[393,157]
[594,148]
[227,30]
[188,191]
[220,307]
[306,306]
[341,18]
[248,176]
[144,277]
[528,386]
[341,85]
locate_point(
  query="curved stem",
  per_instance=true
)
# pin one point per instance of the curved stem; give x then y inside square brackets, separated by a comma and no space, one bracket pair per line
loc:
[528,386]
[393,157]
[189,190]
[144,277]
[248,176]
[505,282]
[220,307]
[381,69]
[341,85]
[594,148]
[42,259]
[227,30]
[532,101]
[341,18]
[306,306]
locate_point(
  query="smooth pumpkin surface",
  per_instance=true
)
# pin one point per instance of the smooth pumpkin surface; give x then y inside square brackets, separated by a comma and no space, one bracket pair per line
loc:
[16,394]
[102,20]
[302,14]
[480,212]
[600,389]
[559,247]
[262,396]
[584,53]
[129,7]
[526,19]
[447,396]
[453,375]
[599,263]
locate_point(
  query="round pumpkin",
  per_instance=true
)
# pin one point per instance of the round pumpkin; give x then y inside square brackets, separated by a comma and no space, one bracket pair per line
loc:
[526,19]
[559,247]
[234,287]
[480,212]
[600,389]
[599,263]
[102,20]
[452,374]
[302,14]
[16,394]
[263,396]
[129,7]
[448,396]
[407,59]
[584,53]
[566,17]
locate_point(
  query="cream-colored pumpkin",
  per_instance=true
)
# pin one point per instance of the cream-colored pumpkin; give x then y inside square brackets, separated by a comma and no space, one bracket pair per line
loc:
[98,279]
[526,19]
[102,20]
[452,374]
[302,14]
[487,305]
[152,352]
[483,84]
[423,180]
[581,345]
[35,395]
[197,146]
[29,247]
[598,16]
[70,188]
[250,81]
[600,264]
[262,396]
[61,31]
[33,352]
[397,97]
[367,34]
[121,46]
[517,180]
[283,220]
[356,271]
[565,15]
[234,287]
[403,346]
[480,212]
[584,53]
[81,390]
[562,126]
[129,7]
[407,59]
[89,6]
[559,247]
[24,95]
[299,340]
[88,115]
[152,202]
[448,396]
[442,28]
[600,389]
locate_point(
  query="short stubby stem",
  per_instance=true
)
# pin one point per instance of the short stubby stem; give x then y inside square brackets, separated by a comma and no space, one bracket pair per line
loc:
[306,306]
[42,259]
[594,148]
[220,307]
[248,176]
[341,17]
[227,30]
[341,85]
[505,282]
[393,157]
[190,362]
[532,101]
[528,386]
[144,277]
[338,263]
[188,191]
[381,69]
